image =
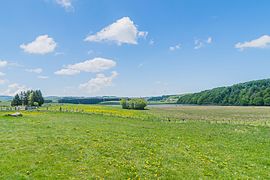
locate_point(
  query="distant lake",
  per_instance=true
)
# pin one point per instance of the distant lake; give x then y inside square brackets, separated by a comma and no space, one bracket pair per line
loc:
[160,105]
[170,105]
[163,105]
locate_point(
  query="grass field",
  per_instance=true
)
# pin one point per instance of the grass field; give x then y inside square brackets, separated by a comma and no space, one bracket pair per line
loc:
[216,114]
[111,143]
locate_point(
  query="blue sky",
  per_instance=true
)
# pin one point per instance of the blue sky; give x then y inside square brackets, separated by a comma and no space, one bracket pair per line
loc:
[131,48]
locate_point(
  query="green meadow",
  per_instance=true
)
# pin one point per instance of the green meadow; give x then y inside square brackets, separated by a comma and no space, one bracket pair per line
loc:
[103,142]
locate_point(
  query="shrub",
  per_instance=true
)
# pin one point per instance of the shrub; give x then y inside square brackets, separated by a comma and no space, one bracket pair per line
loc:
[140,104]
[135,103]
[124,104]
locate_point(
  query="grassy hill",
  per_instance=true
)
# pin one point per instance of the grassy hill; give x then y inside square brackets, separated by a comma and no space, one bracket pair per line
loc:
[255,93]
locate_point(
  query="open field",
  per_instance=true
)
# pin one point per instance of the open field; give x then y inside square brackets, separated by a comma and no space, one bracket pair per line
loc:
[5,103]
[108,142]
[248,115]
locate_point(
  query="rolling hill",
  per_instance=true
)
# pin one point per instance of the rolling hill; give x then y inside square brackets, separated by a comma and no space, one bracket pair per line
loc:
[255,93]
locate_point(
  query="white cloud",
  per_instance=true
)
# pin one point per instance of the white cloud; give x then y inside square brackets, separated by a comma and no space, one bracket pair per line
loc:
[67,4]
[142,34]
[201,43]
[2,74]
[98,83]
[15,89]
[173,48]
[41,45]
[36,70]
[198,44]
[3,63]
[67,72]
[122,31]
[93,65]
[261,42]
[209,40]
[42,77]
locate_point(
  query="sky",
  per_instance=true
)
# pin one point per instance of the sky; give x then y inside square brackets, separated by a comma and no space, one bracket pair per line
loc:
[131,47]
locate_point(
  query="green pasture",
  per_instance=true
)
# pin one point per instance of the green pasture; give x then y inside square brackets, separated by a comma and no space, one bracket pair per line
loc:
[102,142]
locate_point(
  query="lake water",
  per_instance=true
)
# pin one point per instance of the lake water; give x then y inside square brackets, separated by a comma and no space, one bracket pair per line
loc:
[162,105]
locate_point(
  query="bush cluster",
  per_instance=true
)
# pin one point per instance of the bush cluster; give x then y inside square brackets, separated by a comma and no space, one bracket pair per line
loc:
[135,103]
[28,98]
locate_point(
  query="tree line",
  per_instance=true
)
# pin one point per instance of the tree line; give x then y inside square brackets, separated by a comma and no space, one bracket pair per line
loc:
[91,100]
[28,98]
[251,93]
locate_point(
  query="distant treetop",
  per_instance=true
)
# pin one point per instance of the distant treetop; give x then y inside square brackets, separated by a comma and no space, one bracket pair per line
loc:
[251,93]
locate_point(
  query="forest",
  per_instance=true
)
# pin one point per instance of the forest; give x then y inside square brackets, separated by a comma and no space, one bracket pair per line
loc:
[253,93]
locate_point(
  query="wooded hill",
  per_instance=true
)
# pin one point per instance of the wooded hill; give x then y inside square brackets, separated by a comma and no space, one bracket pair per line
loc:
[250,93]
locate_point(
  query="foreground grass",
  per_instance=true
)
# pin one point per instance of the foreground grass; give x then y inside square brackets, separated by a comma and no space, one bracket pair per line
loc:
[53,145]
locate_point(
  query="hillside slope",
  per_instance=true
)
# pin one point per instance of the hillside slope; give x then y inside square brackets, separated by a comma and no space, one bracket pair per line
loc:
[250,93]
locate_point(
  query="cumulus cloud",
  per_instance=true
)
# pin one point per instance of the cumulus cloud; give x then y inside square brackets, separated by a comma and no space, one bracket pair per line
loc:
[41,45]
[261,42]
[67,4]
[123,31]
[3,63]
[173,48]
[15,88]
[98,83]
[93,65]
[36,70]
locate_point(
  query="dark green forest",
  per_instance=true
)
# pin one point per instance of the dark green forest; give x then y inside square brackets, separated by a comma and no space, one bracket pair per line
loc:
[255,93]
